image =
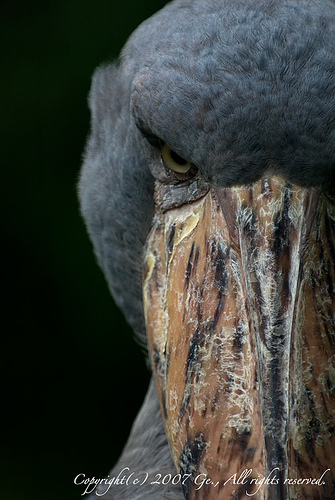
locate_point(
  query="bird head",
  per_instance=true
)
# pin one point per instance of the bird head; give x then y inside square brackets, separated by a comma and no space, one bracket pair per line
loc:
[208,190]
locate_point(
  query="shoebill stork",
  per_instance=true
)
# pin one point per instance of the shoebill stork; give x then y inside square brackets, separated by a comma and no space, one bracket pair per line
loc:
[208,191]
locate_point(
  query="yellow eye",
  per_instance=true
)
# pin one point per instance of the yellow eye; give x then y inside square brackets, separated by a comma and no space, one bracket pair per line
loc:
[174,161]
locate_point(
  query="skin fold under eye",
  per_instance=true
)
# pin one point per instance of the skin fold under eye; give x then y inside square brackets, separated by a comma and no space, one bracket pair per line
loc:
[180,181]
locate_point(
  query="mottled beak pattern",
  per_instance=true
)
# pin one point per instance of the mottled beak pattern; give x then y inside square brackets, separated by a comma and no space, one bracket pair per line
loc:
[240,313]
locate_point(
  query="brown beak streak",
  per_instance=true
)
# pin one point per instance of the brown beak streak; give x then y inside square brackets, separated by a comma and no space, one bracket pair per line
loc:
[240,312]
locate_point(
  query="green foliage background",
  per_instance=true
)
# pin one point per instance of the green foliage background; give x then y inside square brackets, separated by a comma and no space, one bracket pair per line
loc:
[72,377]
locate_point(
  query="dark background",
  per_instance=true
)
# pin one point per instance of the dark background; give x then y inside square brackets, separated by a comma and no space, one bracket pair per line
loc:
[72,376]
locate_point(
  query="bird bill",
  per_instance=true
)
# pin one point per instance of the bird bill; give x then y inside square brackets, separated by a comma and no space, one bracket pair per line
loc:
[240,313]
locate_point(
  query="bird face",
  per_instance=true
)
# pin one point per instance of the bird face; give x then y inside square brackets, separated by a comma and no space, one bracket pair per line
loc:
[213,141]
[239,274]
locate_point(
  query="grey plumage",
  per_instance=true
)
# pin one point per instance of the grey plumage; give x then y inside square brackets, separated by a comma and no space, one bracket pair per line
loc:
[251,87]
[146,452]
[238,88]
[116,191]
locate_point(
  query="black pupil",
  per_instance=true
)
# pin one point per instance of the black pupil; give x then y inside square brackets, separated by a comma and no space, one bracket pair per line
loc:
[178,159]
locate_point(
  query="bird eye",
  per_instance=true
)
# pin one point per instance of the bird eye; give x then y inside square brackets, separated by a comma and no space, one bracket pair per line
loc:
[174,161]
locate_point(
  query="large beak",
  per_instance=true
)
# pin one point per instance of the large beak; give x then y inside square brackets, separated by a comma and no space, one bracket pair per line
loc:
[240,312]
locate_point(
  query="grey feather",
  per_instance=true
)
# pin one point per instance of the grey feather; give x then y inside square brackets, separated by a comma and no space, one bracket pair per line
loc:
[147,451]
[241,88]
[116,191]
